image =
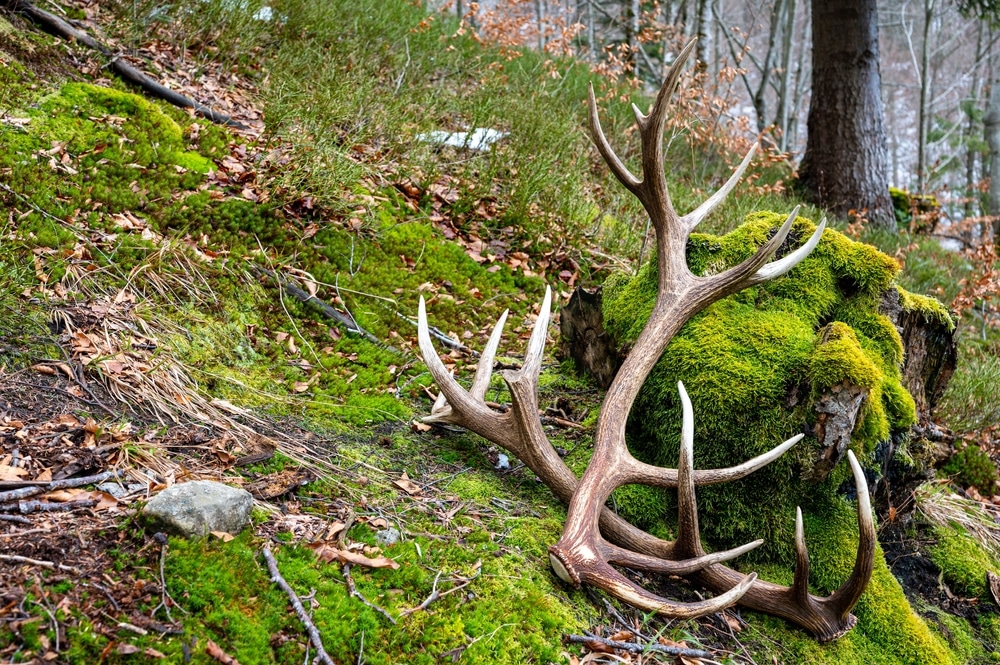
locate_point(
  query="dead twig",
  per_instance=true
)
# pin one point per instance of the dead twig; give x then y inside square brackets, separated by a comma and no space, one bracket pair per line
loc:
[344,321]
[634,647]
[66,483]
[353,591]
[14,558]
[15,518]
[25,507]
[436,595]
[311,630]
[165,600]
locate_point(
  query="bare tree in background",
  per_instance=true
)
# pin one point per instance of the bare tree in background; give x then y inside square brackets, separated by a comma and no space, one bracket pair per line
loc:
[845,163]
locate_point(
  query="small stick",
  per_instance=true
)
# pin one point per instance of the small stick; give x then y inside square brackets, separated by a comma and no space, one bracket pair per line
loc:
[37,562]
[639,648]
[435,594]
[66,483]
[133,628]
[165,600]
[314,637]
[45,506]
[353,590]
[27,532]
[107,594]
[15,518]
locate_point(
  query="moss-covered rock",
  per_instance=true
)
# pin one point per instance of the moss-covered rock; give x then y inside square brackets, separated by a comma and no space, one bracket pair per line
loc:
[756,363]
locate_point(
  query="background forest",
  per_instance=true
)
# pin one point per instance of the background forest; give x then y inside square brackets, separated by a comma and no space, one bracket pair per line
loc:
[225,285]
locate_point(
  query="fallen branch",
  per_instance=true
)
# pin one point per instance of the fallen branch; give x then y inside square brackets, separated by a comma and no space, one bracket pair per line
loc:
[25,507]
[353,591]
[437,334]
[66,483]
[13,558]
[57,26]
[15,518]
[634,647]
[436,595]
[311,630]
[342,320]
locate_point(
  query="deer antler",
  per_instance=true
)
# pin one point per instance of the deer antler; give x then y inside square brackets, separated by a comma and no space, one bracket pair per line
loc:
[585,552]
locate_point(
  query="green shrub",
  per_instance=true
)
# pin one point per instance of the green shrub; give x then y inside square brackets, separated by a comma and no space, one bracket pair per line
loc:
[970,466]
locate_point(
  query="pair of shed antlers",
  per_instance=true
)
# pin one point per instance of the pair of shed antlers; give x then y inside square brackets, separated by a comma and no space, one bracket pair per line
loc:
[595,539]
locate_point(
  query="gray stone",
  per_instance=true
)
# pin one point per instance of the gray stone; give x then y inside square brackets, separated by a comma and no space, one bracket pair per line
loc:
[388,536]
[198,507]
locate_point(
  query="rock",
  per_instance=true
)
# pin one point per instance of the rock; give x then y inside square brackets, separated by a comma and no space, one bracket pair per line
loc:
[837,409]
[388,536]
[199,507]
[118,490]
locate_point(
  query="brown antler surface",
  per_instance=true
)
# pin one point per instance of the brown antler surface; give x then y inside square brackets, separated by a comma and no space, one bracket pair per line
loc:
[595,539]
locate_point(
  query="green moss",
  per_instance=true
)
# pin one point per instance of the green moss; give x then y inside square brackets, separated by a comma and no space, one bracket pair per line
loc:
[931,308]
[512,608]
[963,562]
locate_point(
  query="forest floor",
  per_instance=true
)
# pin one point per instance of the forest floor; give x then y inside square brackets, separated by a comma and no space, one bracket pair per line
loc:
[107,379]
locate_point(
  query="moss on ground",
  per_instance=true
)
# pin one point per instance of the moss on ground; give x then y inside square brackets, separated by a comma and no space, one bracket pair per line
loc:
[962,561]
[513,612]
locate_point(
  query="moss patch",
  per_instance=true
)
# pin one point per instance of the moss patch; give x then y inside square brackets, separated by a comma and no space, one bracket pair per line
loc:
[963,562]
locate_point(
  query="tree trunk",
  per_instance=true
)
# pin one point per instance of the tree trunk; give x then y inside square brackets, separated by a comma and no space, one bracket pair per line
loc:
[844,167]
[784,92]
[991,128]
[925,84]
[970,149]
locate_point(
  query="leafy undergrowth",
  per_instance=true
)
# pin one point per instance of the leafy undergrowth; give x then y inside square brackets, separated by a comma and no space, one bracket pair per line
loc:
[141,250]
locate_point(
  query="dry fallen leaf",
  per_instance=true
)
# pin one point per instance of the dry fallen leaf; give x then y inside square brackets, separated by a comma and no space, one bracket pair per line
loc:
[216,652]
[404,483]
[223,536]
[12,472]
[328,554]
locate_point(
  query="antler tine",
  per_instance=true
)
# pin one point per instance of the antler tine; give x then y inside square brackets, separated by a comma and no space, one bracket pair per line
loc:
[800,583]
[688,538]
[695,217]
[484,371]
[602,575]
[441,408]
[536,343]
[648,474]
[652,564]
[625,177]
[786,263]
[449,387]
[844,598]
[737,277]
